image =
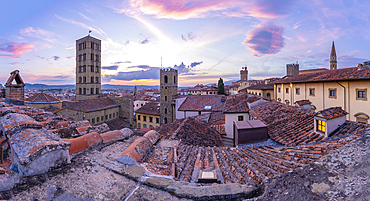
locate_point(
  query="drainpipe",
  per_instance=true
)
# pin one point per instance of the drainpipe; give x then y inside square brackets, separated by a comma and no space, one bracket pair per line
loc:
[344,95]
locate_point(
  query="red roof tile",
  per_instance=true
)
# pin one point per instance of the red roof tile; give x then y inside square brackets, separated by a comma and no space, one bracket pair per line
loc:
[303,102]
[42,98]
[149,108]
[262,86]
[332,113]
[90,104]
[198,103]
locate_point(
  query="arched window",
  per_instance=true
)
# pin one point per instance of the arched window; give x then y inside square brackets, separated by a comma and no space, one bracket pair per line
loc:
[165,120]
[165,98]
[268,95]
[362,117]
[165,110]
[165,79]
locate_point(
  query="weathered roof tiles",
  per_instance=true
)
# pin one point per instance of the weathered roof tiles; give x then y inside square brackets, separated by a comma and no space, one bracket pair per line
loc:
[332,113]
[13,122]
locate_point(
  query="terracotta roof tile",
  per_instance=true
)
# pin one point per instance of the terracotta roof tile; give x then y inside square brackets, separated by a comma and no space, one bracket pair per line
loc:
[149,108]
[330,75]
[14,122]
[303,102]
[262,86]
[42,98]
[198,103]
[90,104]
[117,124]
[332,113]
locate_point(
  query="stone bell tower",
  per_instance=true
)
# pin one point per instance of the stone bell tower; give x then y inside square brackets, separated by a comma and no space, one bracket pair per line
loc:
[168,88]
[333,58]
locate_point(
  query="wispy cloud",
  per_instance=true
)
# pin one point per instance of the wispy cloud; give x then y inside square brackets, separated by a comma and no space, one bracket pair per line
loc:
[15,49]
[122,62]
[83,25]
[180,10]
[39,33]
[16,63]
[265,40]
[188,37]
[144,72]
[114,67]
[85,17]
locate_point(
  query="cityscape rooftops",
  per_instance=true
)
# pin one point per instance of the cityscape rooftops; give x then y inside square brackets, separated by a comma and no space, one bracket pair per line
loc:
[41,98]
[149,108]
[198,103]
[89,105]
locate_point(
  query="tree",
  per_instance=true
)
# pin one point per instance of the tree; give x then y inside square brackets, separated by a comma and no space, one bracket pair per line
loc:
[367,63]
[220,87]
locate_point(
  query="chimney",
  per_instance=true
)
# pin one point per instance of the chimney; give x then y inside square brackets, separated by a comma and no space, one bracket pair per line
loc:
[359,66]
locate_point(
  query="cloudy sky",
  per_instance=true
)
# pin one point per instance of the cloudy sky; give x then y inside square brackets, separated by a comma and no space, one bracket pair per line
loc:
[203,39]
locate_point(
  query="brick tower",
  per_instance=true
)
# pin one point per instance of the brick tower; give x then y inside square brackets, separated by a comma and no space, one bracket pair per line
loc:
[244,74]
[168,87]
[333,58]
[14,89]
[88,68]
[292,69]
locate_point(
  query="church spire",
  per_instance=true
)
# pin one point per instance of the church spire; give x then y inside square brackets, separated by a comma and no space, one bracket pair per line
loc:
[333,58]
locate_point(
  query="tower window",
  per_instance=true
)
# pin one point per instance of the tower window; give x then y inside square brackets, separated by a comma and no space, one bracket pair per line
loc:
[92,91]
[92,57]
[80,91]
[165,120]
[84,56]
[165,79]
[80,80]
[97,69]
[97,91]
[165,110]
[174,79]
[92,79]
[84,91]
[96,80]
[92,68]
[84,79]
[165,98]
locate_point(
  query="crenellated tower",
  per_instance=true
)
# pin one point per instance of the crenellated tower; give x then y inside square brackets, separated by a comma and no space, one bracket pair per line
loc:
[168,88]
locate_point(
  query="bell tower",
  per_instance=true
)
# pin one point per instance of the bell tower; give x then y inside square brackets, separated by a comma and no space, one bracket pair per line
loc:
[88,68]
[333,58]
[168,88]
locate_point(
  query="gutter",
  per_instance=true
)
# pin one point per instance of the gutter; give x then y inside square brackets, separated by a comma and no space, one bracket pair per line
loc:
[344,94]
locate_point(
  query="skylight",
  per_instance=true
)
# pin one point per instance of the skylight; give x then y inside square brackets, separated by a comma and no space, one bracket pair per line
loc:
[207,107]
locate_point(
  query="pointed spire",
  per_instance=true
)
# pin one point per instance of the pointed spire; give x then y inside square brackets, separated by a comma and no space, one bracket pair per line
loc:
[333,53]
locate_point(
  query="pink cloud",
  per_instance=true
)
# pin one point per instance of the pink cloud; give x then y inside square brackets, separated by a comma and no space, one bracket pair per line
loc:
[265,40]
[15,49]
[185,9]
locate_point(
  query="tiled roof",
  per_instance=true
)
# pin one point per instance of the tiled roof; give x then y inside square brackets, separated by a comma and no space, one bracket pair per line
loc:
[241,107]
[13,122]
[303,102]
[51,108]
[42,98]
[30,143]
[149,108]
[234,100]
[198,102]
[285,123]
[262,86]
[191,132]
[332,113]
[90,104]
[117,124]
[331,75]
[14,75]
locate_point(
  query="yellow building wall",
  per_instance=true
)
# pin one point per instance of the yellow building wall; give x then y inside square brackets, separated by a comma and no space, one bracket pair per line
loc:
[141,122]
[43,105]
[346,95]
[262,92]
[92,117]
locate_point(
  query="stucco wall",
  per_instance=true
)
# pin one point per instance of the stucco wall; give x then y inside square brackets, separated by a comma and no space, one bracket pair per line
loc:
[229,119]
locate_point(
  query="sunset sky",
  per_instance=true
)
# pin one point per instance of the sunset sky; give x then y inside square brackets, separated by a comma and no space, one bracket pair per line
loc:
[203,39]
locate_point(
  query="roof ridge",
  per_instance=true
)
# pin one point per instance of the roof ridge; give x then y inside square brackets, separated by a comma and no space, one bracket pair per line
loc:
[45,96]
[174,134]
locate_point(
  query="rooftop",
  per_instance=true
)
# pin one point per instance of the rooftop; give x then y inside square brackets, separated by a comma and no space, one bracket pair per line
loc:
[332,113]
[151,108]
[42,98]
[198,103]
[89,105]
[263,86]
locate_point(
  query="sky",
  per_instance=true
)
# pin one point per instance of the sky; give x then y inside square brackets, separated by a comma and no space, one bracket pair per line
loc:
[203,39]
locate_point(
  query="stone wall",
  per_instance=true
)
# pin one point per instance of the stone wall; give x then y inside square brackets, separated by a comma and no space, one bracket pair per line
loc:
[126,110]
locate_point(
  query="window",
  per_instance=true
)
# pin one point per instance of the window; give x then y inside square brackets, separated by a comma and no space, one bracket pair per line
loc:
[97,90]
[165,98]
[97,119]
[92,91]
[279,99]
[92,45]
[165,120]
[138,125]
[150,126]
[332,93]
[157,120]
[165,110]
[97,69]
[312,92]
[92,58]
[144,125]
[80,91]
[362,117]
[199,112]
[84,79]
[361,94]
[97,58]
[259,94]
[102,118]
[165,79]
[92,80]
[84,56]
[80,80]
[150,119]
[144,118]
[240,118]
[297,91]
[268,95]
[114,115]
[287,90]
[139,117]
[279,89]
[110,116]
[84,91]
[106,117]
[93,120]
[96,80]
[117,114]
[92,68]
[320,125]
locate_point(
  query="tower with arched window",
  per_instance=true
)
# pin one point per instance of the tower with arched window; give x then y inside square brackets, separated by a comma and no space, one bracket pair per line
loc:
[168,87]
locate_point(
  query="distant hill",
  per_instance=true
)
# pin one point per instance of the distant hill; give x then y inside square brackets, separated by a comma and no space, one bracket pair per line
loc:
[73,86]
